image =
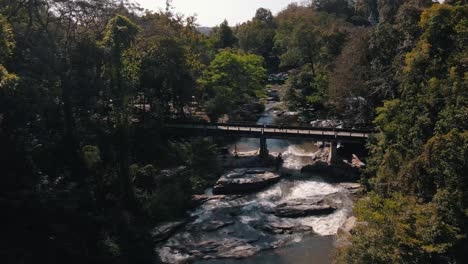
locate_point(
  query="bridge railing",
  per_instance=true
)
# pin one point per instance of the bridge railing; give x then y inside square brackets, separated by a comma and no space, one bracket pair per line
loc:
[254,125]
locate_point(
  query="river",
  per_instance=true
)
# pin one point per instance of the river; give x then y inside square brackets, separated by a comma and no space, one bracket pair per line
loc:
[240,216]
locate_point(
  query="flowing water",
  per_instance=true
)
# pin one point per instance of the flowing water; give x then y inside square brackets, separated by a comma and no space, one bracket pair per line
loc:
[246,213]
[313,250]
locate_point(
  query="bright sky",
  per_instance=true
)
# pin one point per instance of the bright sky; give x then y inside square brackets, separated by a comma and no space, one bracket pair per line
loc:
[213,12]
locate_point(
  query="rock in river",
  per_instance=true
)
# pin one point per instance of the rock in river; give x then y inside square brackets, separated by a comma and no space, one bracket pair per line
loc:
[302,208]
[210,249]
[209,226]
[286,228]
[353,188]
[198,200]
[245,181]
[166,230]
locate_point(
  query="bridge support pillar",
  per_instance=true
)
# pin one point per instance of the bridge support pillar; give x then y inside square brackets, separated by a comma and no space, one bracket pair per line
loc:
[333,155]
[263,147]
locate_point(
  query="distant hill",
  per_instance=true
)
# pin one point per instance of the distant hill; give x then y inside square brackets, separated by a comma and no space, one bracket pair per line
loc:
[205,30]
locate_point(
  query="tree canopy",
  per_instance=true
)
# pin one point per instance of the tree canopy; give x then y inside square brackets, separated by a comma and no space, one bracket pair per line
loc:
[418,157]
[223,36]
[257,36]
[231,78]
[87,86]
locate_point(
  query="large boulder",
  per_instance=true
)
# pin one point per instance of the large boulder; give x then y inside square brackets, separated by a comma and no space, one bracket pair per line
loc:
[348,226]
[302,208]
[240,181]
[353,188]
[356,162]
[346,231]
[214,249]
[285,228]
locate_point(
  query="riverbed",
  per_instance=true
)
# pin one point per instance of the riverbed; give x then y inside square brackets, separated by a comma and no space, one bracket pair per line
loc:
[232,229]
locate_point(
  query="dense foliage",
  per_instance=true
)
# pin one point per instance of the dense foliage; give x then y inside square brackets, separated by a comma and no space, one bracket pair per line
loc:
[230,79]
[86,87]
[257,36]
[418,209]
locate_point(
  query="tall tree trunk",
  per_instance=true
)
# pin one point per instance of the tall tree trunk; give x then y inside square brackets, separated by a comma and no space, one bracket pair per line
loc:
[128,196]
[70,142]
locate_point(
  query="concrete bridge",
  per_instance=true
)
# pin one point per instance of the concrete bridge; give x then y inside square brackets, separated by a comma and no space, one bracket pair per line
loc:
[270,131]
[264,132]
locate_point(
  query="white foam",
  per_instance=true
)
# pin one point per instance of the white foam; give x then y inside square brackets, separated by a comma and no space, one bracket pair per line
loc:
[247,219]
[295,162]
[270,194]
[168,256]
[296,150]
[297,156]
[309,189]
[328,224]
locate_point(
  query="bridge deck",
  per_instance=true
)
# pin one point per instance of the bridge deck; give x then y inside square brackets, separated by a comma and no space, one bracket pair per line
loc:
[274,131]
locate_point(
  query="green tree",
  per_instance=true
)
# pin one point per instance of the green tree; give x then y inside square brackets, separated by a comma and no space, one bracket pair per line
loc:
[223,36]
[118,37]
[399,230]
[420,151]
[305,36]
[340,7]
[308,90]
[350,70]
[257,36]
[7,44]
[166,77]
[232,75]
[387,9]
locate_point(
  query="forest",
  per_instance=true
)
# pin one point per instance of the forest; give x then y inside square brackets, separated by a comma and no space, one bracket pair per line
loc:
[87,86]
